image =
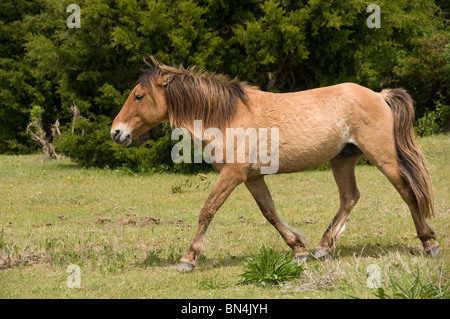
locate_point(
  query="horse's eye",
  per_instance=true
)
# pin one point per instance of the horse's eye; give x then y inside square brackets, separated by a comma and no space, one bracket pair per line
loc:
[138,97]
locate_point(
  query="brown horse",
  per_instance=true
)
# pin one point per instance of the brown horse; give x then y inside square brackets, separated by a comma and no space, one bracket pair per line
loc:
[336,124]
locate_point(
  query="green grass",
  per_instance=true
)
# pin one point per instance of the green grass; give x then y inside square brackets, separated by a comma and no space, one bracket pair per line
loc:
[413,284]
[127,231]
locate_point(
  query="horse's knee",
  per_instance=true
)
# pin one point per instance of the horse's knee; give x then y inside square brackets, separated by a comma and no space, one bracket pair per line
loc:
[356,197]
[350,199]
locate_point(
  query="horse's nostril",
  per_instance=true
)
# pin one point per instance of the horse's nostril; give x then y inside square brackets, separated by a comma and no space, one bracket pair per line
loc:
[121,136]
[115,134]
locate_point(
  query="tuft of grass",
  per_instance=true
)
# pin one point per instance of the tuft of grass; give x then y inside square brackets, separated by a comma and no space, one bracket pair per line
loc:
[174,254]
[175,189]
[213,282]
[269,266]
[189,184]
[153,258]
[414,285]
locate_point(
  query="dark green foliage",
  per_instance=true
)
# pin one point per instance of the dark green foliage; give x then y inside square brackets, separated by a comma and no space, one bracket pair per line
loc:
[90,145]
[270,267]
[434,121]
[279,45]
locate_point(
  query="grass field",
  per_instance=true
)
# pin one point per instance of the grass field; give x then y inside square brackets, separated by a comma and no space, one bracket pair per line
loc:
[126,232]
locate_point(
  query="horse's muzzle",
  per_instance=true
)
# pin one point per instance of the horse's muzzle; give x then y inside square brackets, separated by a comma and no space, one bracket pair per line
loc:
[121,136]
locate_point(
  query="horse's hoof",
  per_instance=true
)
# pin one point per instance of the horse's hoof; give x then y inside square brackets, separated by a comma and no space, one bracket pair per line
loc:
[434,252]
[321,252]
[185,267]
[302,258]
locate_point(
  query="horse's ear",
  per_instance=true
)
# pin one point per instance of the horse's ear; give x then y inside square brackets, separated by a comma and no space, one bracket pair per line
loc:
[166,78]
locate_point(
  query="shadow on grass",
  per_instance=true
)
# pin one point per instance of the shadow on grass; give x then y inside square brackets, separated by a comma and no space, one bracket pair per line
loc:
[374,250]
[231,261]
[359,250]
[204,264]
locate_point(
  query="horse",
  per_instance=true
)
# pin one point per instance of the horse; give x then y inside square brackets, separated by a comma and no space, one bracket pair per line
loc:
[335,124]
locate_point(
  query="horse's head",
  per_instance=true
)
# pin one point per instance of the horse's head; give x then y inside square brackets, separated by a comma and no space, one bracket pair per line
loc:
[144,108]
[184,95]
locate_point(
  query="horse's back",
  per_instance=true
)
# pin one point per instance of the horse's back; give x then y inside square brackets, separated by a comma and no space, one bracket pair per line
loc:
[315,125]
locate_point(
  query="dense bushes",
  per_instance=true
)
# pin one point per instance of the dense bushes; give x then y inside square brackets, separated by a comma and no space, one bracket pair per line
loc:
[435,121]
[277,45]
[89,144]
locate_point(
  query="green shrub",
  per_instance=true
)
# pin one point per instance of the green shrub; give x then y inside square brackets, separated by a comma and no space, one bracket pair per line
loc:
[270,267]
[433,122]
[150,156]
[90,145]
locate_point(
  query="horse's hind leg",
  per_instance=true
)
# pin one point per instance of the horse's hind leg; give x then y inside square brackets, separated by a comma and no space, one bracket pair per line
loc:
[343,166]
[261,194]
[386,161]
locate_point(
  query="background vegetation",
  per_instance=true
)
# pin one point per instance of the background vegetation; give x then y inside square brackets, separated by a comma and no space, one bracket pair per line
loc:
[278,45]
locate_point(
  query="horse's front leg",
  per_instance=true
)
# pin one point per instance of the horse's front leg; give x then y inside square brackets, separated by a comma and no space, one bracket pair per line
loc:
[293,238]
[228,180]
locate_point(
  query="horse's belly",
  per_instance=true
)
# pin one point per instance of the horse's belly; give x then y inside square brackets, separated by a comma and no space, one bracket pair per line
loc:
[305,148]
